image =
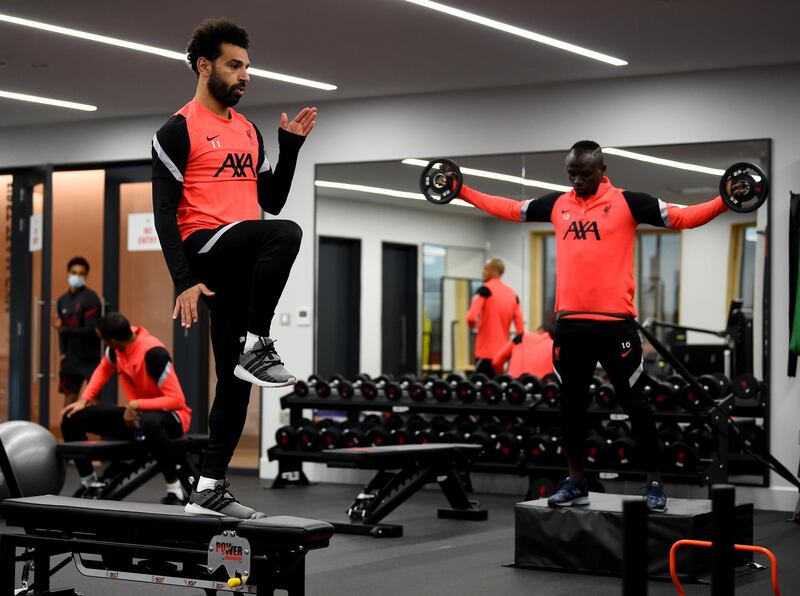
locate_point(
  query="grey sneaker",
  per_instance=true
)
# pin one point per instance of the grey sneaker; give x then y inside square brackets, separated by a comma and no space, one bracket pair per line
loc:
[263,367]
[655,497]
[219,501]
[569,493]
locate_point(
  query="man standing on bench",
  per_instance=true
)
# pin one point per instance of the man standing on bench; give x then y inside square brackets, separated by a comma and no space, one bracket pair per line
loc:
[211,181]
[156,410]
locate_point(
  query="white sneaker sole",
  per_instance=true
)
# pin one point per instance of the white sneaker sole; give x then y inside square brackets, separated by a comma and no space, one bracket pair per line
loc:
[240,373]
[195,509]
[578,501]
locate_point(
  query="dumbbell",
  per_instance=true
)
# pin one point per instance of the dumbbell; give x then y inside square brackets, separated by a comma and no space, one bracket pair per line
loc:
[594,385]
[751,432]
[746,386]
[539,448]
[492,391]
[715,385]
[418,390]
[303,388]
[286,436]
[394,390]
[595,450]
[348,388]
[416,422]
[468,391]
[540,488]
[684,396]
[378,436]
[701,437]
[371,389]
[479,437]
[668,433]
[508,444]
[680,455]
[326,388]
[354,434]
[660,393]
[526,386]
[551,389]
[331,436]
[444,389]
[622,451]
[606,396]
[308,435]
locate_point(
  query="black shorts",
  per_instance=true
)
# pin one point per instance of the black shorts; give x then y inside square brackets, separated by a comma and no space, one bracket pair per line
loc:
[70,384]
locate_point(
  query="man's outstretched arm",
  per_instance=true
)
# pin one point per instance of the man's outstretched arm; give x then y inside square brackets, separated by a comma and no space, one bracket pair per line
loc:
[650,210]
[510,209]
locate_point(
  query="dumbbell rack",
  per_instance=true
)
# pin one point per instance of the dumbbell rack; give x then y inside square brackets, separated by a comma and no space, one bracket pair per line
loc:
[290,468]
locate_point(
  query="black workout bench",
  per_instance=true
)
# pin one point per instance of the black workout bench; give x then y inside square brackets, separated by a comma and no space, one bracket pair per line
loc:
[402,471]
[157,544]
[131,465]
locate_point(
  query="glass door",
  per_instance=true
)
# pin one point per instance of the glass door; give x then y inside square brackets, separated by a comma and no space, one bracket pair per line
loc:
[29,248]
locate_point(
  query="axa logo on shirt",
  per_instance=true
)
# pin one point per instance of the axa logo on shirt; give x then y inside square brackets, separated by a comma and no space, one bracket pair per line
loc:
[581,229]
[238,163]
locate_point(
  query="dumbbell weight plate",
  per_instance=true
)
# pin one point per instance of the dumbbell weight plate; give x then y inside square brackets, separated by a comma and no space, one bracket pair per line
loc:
[744,187]
[540,488]
[745,386]
[441,181]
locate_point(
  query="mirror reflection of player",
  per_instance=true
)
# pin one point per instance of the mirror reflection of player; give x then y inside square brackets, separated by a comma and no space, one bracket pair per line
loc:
[493,308]
[527,353]
[77,314]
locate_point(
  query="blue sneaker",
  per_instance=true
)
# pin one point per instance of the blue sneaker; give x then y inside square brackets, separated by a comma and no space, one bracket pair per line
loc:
[655,497]
[569,493]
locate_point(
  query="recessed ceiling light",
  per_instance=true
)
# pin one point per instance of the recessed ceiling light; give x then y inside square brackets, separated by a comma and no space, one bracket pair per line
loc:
[662,162]
[498,176]
[48,101]
[551,41]
[140,47]
[377,190]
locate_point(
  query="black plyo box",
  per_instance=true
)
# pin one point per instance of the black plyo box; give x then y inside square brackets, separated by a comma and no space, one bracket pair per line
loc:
[588,539]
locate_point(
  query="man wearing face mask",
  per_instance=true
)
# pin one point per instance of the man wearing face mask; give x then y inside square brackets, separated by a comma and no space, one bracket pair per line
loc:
[210,177]
[78,311]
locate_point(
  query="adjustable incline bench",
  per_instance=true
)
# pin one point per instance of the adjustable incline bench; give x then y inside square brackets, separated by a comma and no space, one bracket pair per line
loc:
[402,471]
[157,544]
[131,465]
[153,544]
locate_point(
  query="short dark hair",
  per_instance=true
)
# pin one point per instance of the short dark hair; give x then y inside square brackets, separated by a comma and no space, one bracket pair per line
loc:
[585,146]
[208,37]
[115,326]
[78,261]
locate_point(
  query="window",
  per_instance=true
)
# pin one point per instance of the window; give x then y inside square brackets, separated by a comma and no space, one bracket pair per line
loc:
[742,269]
[543,274]
[658,274]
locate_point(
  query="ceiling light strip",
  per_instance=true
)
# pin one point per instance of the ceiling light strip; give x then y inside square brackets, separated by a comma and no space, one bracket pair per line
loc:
[550,41]
[140,47]
[498,176]
[662,162]
[377,190]
[60,103]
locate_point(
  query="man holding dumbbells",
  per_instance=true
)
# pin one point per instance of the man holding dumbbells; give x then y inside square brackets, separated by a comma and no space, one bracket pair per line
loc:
[595,225]
[493,307]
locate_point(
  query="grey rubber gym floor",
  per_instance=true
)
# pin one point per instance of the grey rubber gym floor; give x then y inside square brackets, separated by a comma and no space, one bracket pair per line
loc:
[435,557]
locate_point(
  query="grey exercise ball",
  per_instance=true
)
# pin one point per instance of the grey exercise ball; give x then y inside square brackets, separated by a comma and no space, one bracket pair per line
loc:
[31,450]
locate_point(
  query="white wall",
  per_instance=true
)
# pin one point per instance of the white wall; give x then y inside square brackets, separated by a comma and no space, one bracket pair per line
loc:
[374,224]
[708,106]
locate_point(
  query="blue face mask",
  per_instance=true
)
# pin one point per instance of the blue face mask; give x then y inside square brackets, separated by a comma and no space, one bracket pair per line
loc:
[76,281]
